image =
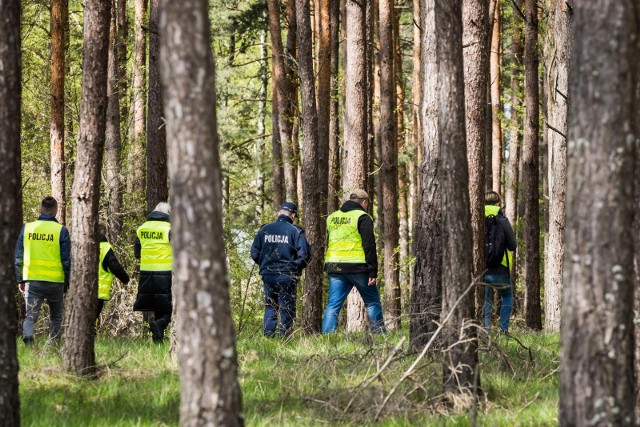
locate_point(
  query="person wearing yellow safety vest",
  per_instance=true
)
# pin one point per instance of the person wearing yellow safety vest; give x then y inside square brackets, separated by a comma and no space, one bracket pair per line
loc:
[108,268]
[153,249]
[498,277]
[42,265]
[351,260]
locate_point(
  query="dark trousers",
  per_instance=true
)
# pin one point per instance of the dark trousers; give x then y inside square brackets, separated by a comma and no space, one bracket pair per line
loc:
[36,293]
[280,297]
[163,318]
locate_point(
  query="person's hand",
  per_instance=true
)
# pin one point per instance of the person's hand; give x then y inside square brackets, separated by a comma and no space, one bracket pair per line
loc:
[21,287]
[372,281]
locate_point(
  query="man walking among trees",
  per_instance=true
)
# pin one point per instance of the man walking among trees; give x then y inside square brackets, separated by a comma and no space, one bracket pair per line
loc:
[282,251]
[42,265]
[153,249]
[499,246]
[351,260]
[108,267]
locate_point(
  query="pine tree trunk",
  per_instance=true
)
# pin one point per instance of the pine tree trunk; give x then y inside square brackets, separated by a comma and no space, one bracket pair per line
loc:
[210,392]
[558,91]
[78,353]
[11,95]
[157,186]
[59,17]
[276,150]
[532,306]
[496,104]
[597,345]
[291,152]
[334,191]
[122,37]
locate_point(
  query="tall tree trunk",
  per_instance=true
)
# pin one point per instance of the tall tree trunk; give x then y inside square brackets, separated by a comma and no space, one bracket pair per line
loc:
[59,18]
[136,175]
[334,190]
[157,186]
[389,165]
[558,91]
[11,95]
[476,69]
[596,371]
[459,333]
[354,173]
[113,141]
[276,150]
[258,147]
[291,152]
[78,353]
[282,86]
[210,392]
[426,293]
[533,315]
[122,37]
[496,104]
[314,166]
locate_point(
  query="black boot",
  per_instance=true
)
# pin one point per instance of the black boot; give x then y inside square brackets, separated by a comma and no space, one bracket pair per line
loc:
[157,331]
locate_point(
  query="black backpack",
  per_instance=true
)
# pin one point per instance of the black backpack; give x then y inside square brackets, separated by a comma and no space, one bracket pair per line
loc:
[495,242]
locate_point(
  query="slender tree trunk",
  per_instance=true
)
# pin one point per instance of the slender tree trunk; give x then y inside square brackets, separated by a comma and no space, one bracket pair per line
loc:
[389,165]
[476,69]
[113,141]
[496,104]
[276,150]
[157,186]
[11,95]
[323,104]
[558,91]
[258,147]
[210,392]
[354,173]
[59,17]
[291,153]
[596,371]
[426,294]
[533,315]
[78,353]
[136,175]
[122,36]
[334,190]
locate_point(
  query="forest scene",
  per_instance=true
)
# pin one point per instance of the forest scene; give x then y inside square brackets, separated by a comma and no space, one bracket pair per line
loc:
[319,212]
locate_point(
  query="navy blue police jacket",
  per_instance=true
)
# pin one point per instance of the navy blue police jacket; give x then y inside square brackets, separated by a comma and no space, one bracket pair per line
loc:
[281,248]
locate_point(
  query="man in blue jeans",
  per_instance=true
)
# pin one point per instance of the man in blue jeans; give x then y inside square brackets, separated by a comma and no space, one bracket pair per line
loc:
[498,277]
[282,251]
[351,260]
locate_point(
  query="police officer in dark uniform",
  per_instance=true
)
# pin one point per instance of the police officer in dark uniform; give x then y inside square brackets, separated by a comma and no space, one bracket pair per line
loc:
[282,251]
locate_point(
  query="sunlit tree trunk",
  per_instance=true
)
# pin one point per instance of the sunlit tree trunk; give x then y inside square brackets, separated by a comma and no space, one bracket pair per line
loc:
[291,152]
[597,344]
[532,306]
[496,104]
[276,150]
[78,353]
[59,17]
[11,95]
[334,191]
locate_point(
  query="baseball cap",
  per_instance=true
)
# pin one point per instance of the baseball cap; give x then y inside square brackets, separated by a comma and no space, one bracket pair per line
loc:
[163,207]
[290,206]
[358,194]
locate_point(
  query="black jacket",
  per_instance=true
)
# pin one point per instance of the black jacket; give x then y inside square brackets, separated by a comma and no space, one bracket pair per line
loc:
[281,247]
[111,263]
[365,228]
[510,241]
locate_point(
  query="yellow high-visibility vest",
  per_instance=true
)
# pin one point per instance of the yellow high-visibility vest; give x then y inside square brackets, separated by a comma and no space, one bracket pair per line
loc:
[493,210]
[155,254]
[42,259]
[345,242]
[105,277]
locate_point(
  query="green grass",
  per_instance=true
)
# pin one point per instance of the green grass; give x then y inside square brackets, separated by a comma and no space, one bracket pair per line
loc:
[302,381]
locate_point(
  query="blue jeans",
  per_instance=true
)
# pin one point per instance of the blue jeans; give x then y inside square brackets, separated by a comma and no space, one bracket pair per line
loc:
[339,287]
[36,292]
[501,283]
[279,296]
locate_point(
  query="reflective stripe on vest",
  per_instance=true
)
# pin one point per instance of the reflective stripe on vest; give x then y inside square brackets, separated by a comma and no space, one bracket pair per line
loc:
[493,210]
[345,242]
[42,259]
[155,253]
[105,278]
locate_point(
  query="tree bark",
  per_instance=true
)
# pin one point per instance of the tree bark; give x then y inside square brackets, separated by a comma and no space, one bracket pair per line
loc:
[59,17]
[78,353]
[157,185]
[496,104]
[532,306]
[476,70]
[334,191]
[557,94]
[122,37]
[210,392]
[596,370]
[389,165]
[291,153]
[11,95]
[276,150]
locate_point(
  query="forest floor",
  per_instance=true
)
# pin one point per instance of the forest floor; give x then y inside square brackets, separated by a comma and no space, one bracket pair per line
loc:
[301,381]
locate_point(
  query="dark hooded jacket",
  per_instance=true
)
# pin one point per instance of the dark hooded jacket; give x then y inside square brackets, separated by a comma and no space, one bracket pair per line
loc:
[281,248]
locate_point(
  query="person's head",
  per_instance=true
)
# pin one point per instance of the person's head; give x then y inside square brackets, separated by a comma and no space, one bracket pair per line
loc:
[49,205]
[102,229]
[492,198]
[360,197]
[163,207]
[289,209]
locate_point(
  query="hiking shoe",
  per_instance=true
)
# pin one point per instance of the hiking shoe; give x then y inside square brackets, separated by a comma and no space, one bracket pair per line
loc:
[157,334]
